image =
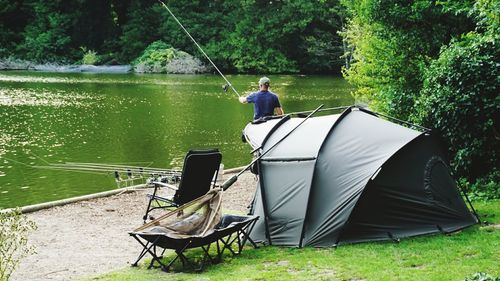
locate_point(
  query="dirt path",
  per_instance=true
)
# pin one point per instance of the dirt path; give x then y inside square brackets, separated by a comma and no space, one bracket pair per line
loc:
[89,238]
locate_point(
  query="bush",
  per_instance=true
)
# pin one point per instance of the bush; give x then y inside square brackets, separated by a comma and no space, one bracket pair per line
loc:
[159,57]
[484,188]
[394,42]
[14,228]
[89,56]
[460,100]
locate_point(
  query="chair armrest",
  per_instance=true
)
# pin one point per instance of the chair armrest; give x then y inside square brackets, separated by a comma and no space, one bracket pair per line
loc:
[173,187]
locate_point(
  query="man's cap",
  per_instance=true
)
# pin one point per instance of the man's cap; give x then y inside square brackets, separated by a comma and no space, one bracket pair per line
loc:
[264,80]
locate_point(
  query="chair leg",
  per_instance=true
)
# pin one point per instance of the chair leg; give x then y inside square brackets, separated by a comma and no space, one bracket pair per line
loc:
[146,248]
[219,253]
[227,244]
[179,255]
[245,231]
[207,253]
[145,217]
[149,247]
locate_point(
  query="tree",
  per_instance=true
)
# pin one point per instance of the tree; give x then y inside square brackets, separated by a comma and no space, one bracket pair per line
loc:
[13,19]
[141,28]
[394,42]
[435,63]
[460,97]
[47,36]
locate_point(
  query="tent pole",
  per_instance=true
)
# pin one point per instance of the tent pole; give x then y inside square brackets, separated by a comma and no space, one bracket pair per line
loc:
[470,204]
[394,119]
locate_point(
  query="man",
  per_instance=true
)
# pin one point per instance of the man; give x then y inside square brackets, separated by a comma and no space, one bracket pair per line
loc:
[265,102]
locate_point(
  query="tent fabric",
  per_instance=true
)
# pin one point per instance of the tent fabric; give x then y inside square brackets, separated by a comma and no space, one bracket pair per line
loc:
[351,178]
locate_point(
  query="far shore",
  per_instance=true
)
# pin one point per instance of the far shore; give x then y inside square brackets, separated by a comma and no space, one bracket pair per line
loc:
[177,66]
[13,64]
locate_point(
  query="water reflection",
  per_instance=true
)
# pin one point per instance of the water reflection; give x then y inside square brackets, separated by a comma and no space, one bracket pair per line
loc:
[75,117]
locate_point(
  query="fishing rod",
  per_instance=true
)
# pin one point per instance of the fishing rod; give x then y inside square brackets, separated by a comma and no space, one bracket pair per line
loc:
[322,110]
[109,170]
[117,167]
[121,173]
[199,47]
[234,178]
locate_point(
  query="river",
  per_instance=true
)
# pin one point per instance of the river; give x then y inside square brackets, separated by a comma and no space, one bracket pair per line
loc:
[127,118]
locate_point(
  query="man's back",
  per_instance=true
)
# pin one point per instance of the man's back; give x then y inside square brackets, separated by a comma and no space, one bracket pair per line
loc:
[264,103]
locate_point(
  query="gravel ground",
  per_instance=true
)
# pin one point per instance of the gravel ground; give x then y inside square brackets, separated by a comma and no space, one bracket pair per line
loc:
[88,238]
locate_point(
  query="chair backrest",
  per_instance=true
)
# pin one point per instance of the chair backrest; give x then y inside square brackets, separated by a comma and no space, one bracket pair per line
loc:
[200,167]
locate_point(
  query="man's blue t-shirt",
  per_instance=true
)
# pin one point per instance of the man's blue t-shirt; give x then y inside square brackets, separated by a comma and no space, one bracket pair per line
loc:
[264,103]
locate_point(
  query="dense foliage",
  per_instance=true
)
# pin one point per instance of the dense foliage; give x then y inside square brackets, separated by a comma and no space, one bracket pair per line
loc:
[460,99]
[484,188]
[239,35]
[435,63]
[395,41]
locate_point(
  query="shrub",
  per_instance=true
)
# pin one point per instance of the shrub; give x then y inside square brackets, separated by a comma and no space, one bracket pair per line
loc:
[484,188]
[89,56]
[394,42]
[460,100]
[14,228]
[160,57]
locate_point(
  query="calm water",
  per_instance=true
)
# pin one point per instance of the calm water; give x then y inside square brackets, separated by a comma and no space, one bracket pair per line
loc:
[53,118]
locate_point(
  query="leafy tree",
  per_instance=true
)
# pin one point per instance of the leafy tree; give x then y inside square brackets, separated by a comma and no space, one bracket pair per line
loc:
[13,19]
[93,26]
[286,36]
[437,64]
[140,30]
[460,99]
[460,95]
[240,35]
[394,42]
[46,37]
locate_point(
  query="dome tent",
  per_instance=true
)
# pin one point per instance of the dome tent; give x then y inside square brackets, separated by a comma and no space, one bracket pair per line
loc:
[351,178]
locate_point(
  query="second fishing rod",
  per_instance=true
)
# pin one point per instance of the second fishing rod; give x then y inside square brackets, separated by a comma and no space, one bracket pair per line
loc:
[228,84]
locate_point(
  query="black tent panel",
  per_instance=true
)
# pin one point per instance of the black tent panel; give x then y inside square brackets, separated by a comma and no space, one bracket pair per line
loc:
[413,194]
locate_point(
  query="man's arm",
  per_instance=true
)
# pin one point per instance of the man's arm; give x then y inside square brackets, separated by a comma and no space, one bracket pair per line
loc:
[279,111]
[243,99]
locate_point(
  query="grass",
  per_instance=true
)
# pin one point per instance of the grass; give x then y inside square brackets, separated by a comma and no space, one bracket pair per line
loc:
[438,257]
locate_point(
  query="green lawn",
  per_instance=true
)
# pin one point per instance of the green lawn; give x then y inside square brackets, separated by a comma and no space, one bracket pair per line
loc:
[439,257]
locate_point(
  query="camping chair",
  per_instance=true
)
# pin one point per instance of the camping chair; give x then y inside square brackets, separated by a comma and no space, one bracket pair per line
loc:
[197,224]
[200,171]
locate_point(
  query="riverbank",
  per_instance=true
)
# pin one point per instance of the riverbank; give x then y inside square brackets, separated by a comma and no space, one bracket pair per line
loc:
[17,64]
[89,238]
[182,63]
